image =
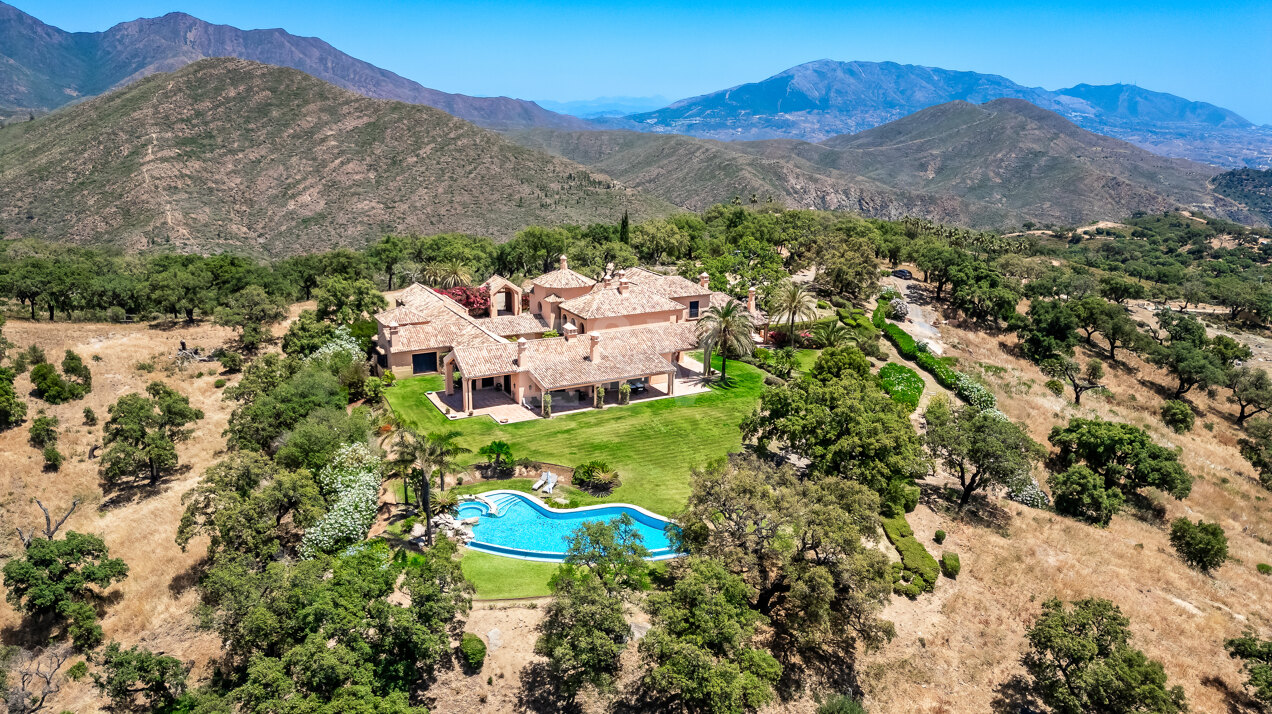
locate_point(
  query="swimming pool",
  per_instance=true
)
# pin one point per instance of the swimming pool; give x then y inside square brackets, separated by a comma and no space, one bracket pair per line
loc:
[518,525]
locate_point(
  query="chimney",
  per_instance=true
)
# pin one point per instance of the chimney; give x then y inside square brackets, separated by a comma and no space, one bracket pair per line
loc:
[570,330]
[596,347]
[750,300]
[393,331]
[703,279]
[622,286]
[521,352]
[609,279]
[565,264]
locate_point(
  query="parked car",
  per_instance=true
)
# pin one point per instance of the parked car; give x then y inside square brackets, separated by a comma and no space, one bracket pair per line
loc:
[903,274]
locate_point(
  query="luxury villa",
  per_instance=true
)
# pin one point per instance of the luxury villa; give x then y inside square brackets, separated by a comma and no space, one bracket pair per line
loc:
[632,326]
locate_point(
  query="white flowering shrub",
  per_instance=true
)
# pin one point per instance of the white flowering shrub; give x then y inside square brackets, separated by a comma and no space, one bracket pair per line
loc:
[897,309]
[1029,494]
[889,293]
[341,343]
[974,393]
[351,483]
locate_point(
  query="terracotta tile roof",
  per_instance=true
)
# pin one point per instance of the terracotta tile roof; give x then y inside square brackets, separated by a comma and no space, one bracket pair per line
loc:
[499,282]
[560,362]
[610,302]
[670,286]
[563,278]
[523,324]
[554,298]
[428,320]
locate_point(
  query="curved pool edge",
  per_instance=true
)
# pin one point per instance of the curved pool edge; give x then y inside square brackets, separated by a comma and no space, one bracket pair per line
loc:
[548,556]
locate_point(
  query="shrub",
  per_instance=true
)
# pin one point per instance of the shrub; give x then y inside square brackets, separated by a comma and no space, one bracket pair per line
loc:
[1055,386]
[351,483]
[1264,569]
[897,309]
[547,406]
[1178,416]
[599,397]
[52,458]
[624,393]
[231,361]
[219,383]
[1201,545]
[145,366]
[939,537]
[839,301]
[916,561]
[823,305]
[43,431]
[1081,493]
[950,565]
[90,417]
[1029,494]
[473,651]
[550,334]
[595,476]
[902,383]
[841,704]
[52,387]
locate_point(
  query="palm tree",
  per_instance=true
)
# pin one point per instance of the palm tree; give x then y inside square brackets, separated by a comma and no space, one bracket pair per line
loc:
[831,334]
[794,302]
[442,452]
[453,274]
[727,327]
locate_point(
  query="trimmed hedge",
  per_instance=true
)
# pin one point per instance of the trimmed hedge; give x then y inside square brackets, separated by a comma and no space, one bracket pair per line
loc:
[966,388]
[919,570]
[950,565]
[904,384]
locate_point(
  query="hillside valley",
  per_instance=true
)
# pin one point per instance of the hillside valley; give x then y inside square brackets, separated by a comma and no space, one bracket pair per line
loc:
[986,166]
[227,154]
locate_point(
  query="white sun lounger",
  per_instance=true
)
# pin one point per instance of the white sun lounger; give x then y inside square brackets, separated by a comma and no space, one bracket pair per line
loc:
[552,479]
[543,478]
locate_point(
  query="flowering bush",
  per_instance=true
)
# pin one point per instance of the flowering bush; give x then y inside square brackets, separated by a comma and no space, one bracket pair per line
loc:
[897,309]
[974,393]
[475,300]
[1029,494]
[351,484]
[342,344]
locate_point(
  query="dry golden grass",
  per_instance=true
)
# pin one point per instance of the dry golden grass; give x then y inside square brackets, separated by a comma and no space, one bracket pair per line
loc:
[957,645]
[154,605]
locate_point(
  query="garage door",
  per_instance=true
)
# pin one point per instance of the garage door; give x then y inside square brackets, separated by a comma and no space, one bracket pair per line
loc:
[424,363]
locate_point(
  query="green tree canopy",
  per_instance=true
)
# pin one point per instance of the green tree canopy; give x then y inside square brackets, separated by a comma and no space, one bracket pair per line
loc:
[142,433]
[1081,661]
[982,448]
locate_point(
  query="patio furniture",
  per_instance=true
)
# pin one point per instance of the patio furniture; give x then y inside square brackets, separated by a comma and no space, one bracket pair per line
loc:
[543,478]
[552,479]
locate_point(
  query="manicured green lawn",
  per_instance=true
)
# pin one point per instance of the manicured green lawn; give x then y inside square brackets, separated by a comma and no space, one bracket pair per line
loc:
[498,577]
[804,359]
[653,445]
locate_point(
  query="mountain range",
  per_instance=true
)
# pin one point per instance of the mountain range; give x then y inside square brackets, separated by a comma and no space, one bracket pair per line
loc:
[990,165]
[821,99]
[227,154]
[43,68]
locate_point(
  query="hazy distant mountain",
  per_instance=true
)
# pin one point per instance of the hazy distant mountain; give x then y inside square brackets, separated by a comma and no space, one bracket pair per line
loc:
[226,154]
[990,166]
[817,100]
[43,67]
[604,106]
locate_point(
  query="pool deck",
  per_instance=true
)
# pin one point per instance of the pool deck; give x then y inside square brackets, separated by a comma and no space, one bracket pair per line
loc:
[546,556]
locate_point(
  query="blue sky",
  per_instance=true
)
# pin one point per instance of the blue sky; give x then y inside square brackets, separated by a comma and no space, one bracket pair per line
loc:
[1215,52]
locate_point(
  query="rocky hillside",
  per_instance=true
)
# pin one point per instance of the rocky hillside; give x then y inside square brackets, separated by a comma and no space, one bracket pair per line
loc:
[989,166]
[43,67]
[230,154]
[817,100]
[1249,187]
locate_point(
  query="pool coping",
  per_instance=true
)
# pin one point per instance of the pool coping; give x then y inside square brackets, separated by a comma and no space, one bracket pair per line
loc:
[545,556]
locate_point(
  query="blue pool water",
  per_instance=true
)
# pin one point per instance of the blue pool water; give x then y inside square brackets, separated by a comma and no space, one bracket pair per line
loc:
[521,527]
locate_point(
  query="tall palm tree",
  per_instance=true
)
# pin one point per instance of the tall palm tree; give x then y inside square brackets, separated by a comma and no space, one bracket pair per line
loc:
[442,452]
[453,274]
[727,327]
[794,302]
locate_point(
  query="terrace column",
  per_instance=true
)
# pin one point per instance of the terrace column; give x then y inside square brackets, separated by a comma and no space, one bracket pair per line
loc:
[671,383]
[450,377]
[468,394]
